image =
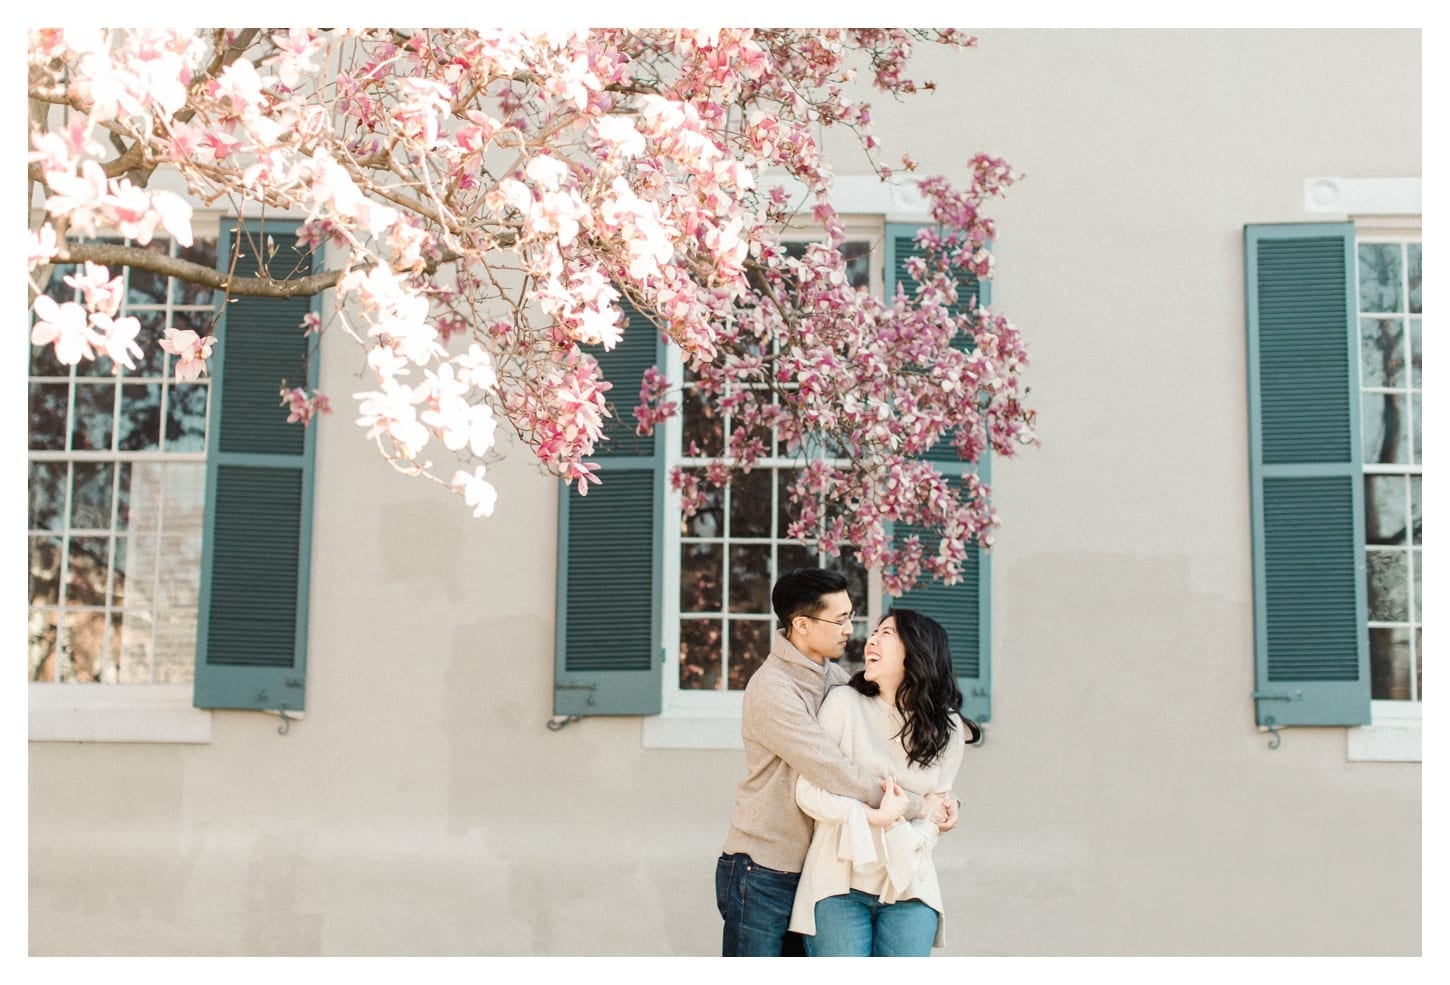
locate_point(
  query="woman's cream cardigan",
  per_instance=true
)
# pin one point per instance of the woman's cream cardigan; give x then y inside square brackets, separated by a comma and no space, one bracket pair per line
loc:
[847,852]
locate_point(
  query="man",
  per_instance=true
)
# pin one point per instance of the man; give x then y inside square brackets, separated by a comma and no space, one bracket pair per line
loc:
[755,880]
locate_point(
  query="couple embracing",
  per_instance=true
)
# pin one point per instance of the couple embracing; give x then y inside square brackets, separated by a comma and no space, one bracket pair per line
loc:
[847,786]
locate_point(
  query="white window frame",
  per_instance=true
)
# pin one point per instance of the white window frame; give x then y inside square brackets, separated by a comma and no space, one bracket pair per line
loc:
[160,713]
[1380,208]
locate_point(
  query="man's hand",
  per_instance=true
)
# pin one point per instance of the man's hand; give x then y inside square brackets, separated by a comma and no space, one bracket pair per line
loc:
[893,805]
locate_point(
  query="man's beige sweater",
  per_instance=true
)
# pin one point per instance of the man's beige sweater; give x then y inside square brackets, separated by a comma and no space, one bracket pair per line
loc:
[783,740]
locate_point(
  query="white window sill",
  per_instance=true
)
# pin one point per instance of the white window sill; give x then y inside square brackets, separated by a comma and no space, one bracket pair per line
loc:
[1393,735]
[677,731]
[116,713]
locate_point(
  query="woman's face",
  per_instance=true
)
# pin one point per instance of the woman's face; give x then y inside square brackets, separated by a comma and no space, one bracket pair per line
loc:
[885,656]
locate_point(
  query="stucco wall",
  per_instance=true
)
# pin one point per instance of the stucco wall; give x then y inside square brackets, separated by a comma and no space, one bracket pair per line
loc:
[1123,803]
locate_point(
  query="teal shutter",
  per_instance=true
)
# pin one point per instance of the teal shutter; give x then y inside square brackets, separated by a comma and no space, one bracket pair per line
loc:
[1310,641]
[607,655]
[963,609]
[252,624]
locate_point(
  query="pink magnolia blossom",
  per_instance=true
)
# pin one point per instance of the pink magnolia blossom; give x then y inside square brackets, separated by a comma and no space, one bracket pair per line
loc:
[500,207]
[477,491]
[191,352]
[66,327]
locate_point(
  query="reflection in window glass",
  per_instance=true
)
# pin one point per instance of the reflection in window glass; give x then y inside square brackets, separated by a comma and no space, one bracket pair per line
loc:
[117,485]
[1390,442]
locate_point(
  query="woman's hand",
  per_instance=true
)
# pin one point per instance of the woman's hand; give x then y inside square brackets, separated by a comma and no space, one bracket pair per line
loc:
[893,805]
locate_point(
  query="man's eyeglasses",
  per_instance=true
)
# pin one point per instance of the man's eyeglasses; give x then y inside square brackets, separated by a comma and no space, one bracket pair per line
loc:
[834,622]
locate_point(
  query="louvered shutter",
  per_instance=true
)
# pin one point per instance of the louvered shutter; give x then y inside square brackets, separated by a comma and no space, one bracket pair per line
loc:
[252,624]
[1310,641]
[963,609]
[607,654]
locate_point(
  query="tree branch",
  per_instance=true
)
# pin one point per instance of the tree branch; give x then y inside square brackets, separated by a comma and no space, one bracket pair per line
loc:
[136,257]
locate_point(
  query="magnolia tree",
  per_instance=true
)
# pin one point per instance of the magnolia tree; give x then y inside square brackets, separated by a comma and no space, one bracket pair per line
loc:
[490,201]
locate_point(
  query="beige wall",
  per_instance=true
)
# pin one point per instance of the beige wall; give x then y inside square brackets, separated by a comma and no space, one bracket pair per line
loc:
[1123,803]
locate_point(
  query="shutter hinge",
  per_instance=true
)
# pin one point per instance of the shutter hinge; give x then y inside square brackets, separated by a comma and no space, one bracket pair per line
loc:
[558,722]
[1269,720]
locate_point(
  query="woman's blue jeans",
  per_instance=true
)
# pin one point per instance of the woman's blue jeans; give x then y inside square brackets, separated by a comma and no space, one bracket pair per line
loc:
[858,925]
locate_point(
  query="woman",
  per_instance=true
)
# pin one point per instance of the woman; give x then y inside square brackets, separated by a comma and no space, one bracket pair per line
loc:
[869,886]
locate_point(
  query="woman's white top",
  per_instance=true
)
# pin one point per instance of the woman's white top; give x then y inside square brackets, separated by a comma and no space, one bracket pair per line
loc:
[847,852]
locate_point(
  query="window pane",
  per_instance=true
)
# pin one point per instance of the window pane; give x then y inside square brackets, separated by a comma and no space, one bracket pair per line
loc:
[123,495]
[186,417]
[88,565]
[1419,666]
[137,567]
[700,654]
[857,255]
[1415,508]
[44,571]
[1381,352]
[700,582]
[47,495]
[1417,447]
[750,641]
[701,426]
[135,647]
[95,412]
[179,578]
[750,504]
[174,656]
[850,566]
[1415,356]
[185,492]
[1414,277]
[1380,277]
[1384,508]
[1416,564]
[750,578]
[1388,574]
[709,520]
[41,652]
[1389,664]
[152,361]
[83,653]
[785,510]
[90,497]
[47,415]
[1385,428]
[44,363]
[140,426]
[792,556]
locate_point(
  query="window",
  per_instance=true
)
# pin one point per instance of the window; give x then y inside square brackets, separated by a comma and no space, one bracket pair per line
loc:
[117,480]
[1334,387]
[667,617]
[730,553]
[1391,450]
[169,520]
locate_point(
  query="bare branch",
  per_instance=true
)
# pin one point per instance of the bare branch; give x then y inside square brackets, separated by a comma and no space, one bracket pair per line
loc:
[113,254]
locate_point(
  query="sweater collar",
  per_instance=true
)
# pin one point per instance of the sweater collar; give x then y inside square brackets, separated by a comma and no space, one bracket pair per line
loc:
[786,650]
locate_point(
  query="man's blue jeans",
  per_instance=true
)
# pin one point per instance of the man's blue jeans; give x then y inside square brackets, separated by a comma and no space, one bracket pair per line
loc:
[859,925]
[756,903]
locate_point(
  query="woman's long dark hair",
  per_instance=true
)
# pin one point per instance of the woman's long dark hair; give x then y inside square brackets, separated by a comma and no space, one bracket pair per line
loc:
[928,697]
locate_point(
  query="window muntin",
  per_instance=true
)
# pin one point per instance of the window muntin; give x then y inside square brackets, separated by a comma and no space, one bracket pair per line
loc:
[117,488]
[728,555]
[1390,316]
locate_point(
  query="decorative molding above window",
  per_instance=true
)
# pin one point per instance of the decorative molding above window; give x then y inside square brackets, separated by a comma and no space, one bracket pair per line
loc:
[1362,196]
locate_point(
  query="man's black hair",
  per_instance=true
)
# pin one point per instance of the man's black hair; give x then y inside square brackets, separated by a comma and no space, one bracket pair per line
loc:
[799,591]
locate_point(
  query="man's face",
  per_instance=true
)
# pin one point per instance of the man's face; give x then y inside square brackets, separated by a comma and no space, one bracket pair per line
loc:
[823,636]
